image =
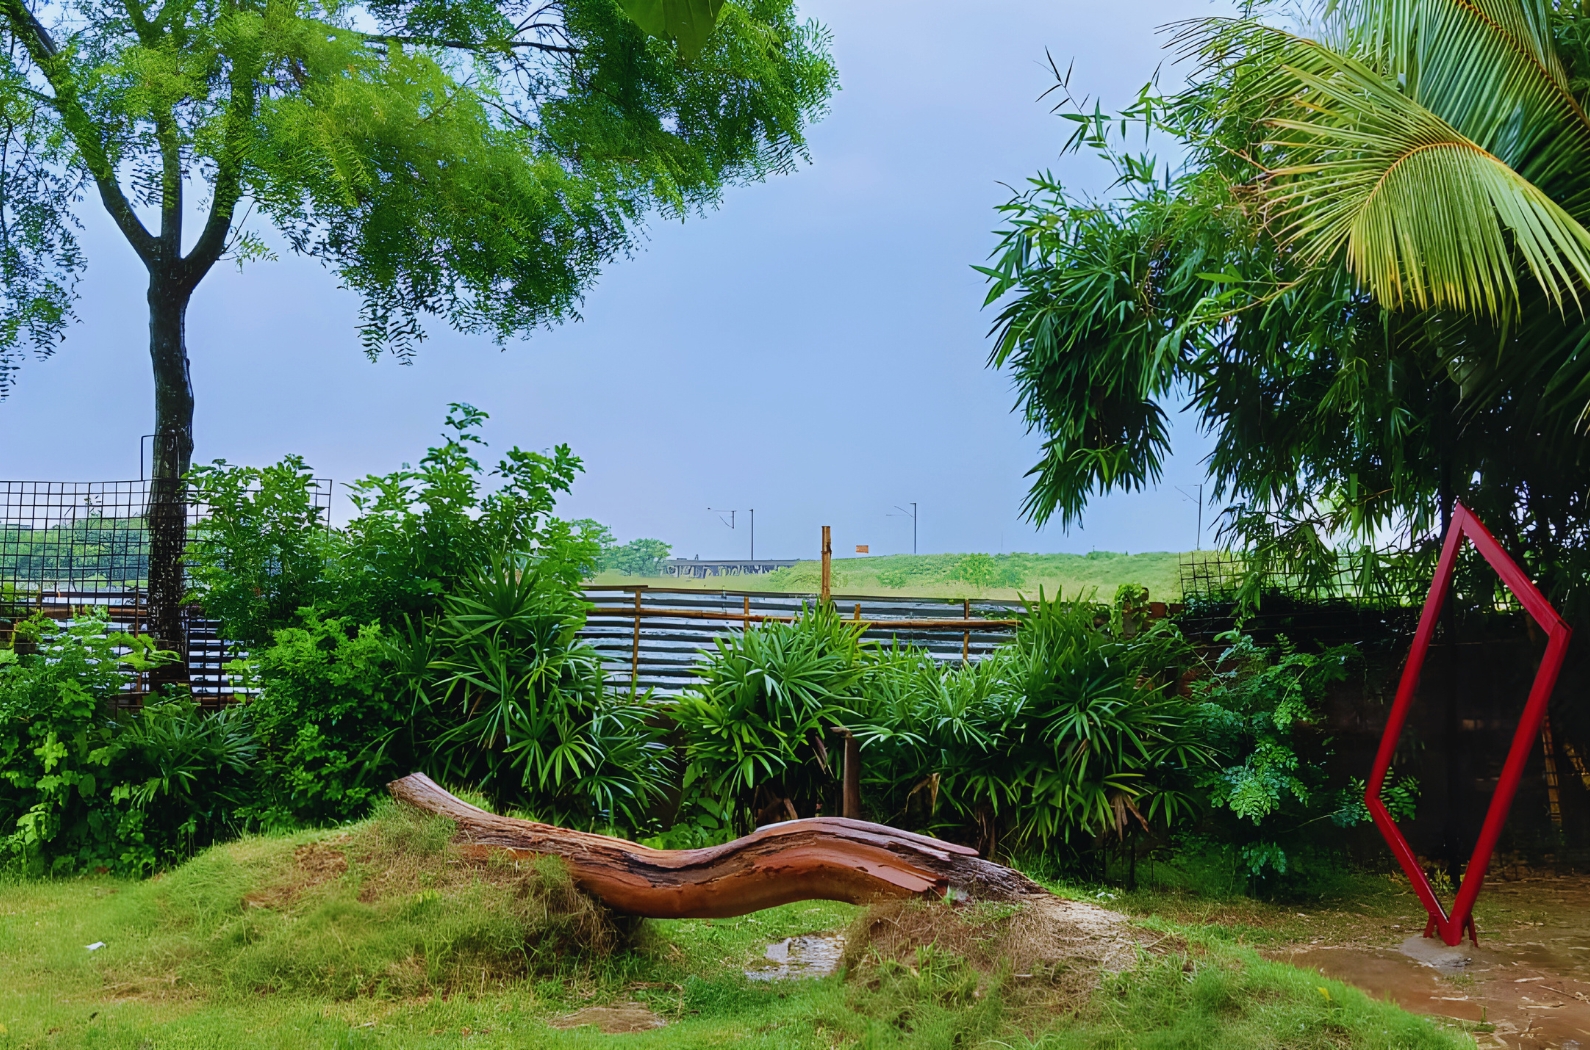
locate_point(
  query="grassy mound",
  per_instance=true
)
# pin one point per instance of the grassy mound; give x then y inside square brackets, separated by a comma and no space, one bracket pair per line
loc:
[383,936]
[387,908]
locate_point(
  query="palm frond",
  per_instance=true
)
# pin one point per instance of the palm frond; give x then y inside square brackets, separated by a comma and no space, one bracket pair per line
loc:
[1487,67]
[1426,216]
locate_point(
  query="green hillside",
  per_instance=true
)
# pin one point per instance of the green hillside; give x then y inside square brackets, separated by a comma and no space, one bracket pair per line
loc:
[960,575]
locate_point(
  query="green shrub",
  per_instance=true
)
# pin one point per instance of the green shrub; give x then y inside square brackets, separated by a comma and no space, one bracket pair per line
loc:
[330,721]
[83,788]
[757,727]
[524,710]
[418,533]
[1258,710]
[260,554]
[1071,732]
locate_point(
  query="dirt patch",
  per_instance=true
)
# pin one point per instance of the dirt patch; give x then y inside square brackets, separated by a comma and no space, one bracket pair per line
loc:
[1039,933]
[612,1020]
[1526,986]
[314,864]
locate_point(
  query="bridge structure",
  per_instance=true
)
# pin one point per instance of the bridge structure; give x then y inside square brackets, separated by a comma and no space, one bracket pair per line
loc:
[687,568]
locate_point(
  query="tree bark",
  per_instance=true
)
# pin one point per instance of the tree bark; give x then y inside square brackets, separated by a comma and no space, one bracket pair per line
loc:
[826,858]
[173,453]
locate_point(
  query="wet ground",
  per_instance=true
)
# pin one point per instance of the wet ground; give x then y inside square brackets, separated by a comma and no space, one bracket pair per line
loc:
[809,955]
[1527,984]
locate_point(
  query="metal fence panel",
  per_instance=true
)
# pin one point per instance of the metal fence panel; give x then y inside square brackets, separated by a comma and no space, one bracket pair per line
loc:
[656,637]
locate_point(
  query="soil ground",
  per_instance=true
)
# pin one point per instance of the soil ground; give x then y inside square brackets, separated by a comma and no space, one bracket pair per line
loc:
[1526,986]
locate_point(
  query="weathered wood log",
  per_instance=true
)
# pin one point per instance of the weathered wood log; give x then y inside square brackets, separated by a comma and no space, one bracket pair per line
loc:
[826,858]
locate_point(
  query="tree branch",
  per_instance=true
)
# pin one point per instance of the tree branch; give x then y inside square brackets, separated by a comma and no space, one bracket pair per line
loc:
[170,185]
[228,189]
[46,55]
[503,47]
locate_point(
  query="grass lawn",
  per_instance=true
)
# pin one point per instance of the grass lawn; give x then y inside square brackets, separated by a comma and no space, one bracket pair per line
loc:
[380,936]
[959,576]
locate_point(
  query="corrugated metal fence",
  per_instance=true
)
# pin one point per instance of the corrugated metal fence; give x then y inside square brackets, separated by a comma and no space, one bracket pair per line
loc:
[653,637]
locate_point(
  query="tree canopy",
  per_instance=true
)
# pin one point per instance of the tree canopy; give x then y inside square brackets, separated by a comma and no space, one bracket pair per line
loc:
[1365,274]
[470,159]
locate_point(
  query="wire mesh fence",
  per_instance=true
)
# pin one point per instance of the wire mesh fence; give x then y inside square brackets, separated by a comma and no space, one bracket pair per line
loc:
[69,545]
[85,536]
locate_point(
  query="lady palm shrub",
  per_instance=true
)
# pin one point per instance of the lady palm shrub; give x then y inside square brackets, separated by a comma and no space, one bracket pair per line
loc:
[756,729]
[1070,733]
[519,706]
[1073,731]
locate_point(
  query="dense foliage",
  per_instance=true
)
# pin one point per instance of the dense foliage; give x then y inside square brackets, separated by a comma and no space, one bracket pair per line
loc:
[1260,711]
[439,630]
[1365,277]
[84,786]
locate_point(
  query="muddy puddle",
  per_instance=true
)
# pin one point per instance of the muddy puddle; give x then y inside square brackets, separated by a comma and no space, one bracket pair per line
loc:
[809,955]
[1528,981]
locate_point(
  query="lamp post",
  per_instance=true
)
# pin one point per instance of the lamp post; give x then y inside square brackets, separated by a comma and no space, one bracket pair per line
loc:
[730,522]
[912,515]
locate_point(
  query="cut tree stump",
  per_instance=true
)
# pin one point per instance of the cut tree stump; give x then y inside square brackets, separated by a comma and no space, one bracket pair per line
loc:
[826,858]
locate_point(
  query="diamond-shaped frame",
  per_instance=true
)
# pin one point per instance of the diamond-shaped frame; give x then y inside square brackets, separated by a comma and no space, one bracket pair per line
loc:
[1465,524]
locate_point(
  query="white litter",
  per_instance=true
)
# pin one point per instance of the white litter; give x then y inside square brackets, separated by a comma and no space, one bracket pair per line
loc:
[96,946]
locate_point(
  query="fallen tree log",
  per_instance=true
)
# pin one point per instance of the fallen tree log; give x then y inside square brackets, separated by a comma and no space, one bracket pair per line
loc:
[825,858]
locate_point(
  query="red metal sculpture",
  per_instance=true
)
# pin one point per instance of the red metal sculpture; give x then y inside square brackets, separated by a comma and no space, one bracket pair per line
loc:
[1464,523]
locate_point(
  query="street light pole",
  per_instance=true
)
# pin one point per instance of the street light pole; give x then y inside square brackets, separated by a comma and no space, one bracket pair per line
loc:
[912,512]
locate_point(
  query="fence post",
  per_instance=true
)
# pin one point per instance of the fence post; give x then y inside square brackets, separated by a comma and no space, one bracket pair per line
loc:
[747,612]
[966,636]
[634,652]
[828,558]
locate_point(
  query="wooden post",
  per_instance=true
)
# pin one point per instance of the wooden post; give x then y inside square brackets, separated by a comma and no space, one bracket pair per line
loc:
[747,612]
[966,636]
[850,794]
[857,617]
[828,563]
[634,652]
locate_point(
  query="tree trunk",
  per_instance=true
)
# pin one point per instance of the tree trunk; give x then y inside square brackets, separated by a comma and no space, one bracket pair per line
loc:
[826,858]
[173,452]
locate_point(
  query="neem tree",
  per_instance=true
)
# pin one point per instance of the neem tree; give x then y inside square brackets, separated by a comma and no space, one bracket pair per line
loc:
[476,160]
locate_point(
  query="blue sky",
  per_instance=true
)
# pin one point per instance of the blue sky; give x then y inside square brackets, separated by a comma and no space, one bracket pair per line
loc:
[814,348]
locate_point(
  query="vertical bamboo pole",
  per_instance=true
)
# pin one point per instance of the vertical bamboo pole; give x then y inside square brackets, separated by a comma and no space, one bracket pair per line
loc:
[747,612]
[966,636]
[857,617]
[634,651]
[1553,800]
[828,563]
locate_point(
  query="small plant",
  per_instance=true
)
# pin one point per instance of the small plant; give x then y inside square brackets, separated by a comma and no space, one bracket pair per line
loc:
[1260,707]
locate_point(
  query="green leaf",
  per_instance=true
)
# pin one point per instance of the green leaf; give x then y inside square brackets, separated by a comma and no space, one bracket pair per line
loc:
[686,22]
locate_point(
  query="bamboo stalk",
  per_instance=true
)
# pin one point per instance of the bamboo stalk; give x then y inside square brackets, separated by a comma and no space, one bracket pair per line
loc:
[966,638]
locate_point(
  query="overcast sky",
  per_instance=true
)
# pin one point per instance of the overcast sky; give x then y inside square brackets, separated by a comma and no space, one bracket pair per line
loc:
[814,348]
